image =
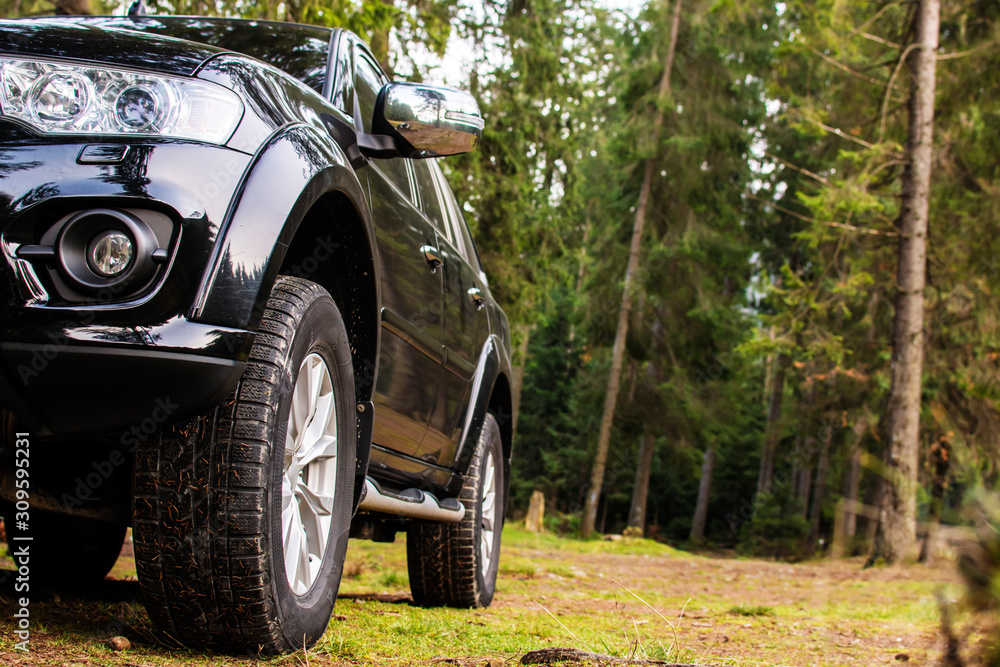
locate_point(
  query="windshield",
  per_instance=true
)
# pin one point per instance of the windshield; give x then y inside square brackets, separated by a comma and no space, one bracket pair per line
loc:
[299,50]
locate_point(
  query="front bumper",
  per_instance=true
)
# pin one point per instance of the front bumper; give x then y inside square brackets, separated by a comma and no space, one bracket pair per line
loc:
[115,381]
[119,363]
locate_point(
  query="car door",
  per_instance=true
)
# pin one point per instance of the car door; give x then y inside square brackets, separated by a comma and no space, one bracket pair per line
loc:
[411,351]
[465,322]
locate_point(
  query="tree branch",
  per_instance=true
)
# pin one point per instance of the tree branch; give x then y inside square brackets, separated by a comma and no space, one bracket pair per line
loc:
[888,90]
[962,54]
[876,38]
[841,66]
[828,223]
[875,17]
[839,132]
[801,170]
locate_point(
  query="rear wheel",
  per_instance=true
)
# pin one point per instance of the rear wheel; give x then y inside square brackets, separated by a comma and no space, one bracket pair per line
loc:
[455,564]
[242,516]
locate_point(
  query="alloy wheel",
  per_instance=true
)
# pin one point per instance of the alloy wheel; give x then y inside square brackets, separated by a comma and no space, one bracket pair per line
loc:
[309,484]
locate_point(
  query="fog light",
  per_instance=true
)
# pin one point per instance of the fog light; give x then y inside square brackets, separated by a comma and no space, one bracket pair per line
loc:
[110,253]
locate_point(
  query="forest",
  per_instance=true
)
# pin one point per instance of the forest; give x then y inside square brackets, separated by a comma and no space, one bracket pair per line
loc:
[750,253]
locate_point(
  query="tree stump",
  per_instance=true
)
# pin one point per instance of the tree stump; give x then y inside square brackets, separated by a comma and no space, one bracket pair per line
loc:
[536,513]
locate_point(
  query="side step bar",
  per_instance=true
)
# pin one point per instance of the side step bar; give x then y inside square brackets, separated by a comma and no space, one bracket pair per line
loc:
[413,503]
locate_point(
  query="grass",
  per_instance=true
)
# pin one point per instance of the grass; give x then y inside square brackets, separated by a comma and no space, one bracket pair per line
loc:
[752,610]
[622,598]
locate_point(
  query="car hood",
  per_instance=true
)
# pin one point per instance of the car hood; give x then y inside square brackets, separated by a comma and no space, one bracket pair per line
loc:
[54,38]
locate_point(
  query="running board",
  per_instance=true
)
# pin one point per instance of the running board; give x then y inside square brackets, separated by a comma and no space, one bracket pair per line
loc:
[413,503]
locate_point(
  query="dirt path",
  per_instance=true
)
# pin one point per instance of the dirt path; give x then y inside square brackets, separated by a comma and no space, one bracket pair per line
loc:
[624,599]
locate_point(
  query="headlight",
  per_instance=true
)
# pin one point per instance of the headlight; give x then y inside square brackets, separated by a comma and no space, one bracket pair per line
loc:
[55,98]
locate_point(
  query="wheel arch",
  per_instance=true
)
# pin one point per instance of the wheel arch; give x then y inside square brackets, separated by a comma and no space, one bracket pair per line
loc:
[303,212]
[338,257]
[501,406]
[491,393]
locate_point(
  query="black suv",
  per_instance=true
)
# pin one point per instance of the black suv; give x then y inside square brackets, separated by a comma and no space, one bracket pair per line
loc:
[241,312]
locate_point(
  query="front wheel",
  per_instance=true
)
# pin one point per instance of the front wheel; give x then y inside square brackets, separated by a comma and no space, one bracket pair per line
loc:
[455,564]
[242,516]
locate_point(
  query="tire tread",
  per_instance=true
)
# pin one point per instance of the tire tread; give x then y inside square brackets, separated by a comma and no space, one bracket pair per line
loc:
[201,505]
[441,557]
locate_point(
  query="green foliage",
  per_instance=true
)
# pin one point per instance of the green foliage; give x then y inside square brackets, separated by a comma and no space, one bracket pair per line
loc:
[18,8]
[831,162]
[778,528]
[751,610]
[549,454]
[979,565]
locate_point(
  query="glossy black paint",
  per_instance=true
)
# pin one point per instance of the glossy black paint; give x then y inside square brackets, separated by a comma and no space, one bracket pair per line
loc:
[68,40]
[290,192]
[302,52]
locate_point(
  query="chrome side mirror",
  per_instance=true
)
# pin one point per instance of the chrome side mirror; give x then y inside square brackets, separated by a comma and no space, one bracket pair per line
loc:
[434,120]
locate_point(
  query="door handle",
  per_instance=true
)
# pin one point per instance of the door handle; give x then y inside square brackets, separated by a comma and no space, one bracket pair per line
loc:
[431,257]
[477,297]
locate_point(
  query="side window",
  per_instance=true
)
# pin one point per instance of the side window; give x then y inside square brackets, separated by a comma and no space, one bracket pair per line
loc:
[456,220]
[430,201]
[368,81]
[343,81]
[367,84]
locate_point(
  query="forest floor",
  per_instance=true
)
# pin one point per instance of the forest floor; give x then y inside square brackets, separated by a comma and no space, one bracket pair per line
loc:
[626,598]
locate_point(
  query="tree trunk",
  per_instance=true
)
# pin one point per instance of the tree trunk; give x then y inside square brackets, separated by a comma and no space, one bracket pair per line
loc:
[618,351]
[770,366]
[898,511]
[640,492]
[850,519]
[517,376]
[379,44]
[804,486]
[873,498]
[704,489]
[766,473]
[582,270]
[604,513]
[535,521]
[941,460]
[819,491]
[644,466]
[851,494]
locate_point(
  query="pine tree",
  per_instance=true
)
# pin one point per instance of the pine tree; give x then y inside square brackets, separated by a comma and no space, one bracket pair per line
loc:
[618,350]
[897,528]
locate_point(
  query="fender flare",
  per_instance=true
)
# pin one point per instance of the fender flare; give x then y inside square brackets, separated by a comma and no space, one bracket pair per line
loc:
[288,176]
[295,168]
[492,365]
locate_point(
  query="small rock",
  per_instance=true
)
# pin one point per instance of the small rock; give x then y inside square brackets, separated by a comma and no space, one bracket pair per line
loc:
[119,644]
[902,657]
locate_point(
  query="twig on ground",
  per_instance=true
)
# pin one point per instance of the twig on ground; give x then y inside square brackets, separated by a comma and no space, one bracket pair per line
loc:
[548,656]
[672,627]
[578,640]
